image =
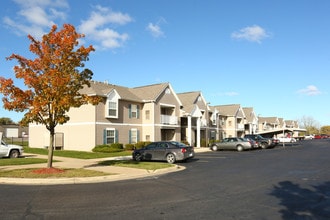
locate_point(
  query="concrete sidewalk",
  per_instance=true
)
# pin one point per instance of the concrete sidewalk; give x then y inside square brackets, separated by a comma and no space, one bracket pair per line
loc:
[112,173]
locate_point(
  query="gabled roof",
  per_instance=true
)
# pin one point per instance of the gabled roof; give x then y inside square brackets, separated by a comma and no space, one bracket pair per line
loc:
[269,120]
[230,110]
[190,99]
[249,113]
[138,94]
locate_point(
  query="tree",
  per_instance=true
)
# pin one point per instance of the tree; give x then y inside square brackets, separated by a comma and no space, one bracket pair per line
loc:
[325,130]
[52,80]
[6,121]
[310,124]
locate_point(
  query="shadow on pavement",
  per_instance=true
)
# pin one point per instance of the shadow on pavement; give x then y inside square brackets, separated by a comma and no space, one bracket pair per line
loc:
[303,203]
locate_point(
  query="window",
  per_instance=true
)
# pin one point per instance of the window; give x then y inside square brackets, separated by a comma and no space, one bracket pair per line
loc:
[112,109]
[110,136]
[134,111]
[148,115]
[133,136]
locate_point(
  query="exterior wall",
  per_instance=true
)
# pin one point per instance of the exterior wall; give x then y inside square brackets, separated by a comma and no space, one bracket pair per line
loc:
[230,127]
[148,121]
[79,131]
[172,131]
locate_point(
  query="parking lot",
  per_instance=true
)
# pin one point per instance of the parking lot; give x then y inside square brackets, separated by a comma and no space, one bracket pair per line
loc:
[291,182]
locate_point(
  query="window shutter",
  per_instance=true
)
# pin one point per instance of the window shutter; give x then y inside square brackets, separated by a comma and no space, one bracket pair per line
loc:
[116,136]
[105,136]
[138,135]
[130,136]
[130,111]
[137,111]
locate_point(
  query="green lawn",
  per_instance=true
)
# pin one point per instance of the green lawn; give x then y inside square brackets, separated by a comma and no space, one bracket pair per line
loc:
[20,161]
[28,173]
[76,154]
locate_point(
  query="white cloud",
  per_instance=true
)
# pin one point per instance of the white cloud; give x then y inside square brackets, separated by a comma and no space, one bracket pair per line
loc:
[310,90]
[36,17]
[155,29]
[253,33]
[96,27]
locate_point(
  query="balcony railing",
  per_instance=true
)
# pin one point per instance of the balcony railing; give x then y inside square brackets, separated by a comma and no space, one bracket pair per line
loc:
[168,120]
[240,127]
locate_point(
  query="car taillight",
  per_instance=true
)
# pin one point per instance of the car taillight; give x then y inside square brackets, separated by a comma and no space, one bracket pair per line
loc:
[183,150]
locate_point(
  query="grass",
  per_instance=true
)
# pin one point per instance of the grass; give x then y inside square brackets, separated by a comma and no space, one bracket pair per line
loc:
[76,154]
[136,164]
[20,161]
[68,173]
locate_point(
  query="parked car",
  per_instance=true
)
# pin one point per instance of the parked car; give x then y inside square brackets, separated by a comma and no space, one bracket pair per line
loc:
[170,151]
[261,141]
[320,136]
[9,150]
[254,144]
[309,137]
[287,140]
[232,143]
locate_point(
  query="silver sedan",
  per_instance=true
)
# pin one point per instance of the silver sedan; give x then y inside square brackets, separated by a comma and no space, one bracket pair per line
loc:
[232,143]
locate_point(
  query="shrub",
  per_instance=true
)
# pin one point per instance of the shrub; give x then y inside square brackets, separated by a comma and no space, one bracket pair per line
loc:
[141,144]
[117,146]
[129,147]
[108,148]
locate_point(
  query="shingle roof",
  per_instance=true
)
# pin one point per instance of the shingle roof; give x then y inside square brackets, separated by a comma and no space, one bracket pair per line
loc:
[188,100]
[228,110]
[248,113]
[138,94]
[270,120]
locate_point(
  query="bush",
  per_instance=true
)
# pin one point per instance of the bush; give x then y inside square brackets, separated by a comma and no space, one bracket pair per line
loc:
[117,146]
[129,147]
[108,148]
[141,144]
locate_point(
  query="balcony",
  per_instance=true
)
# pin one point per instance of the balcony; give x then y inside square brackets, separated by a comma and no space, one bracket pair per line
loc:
[168,120]
[240,127]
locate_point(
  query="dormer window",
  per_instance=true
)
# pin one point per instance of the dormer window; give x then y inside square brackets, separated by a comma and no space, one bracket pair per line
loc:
[111,106]
[112,109]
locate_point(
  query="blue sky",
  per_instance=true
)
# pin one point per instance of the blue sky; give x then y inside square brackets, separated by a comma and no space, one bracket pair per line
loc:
[271,55]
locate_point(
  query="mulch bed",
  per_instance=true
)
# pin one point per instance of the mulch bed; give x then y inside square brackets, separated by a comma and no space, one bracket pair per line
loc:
[51,170]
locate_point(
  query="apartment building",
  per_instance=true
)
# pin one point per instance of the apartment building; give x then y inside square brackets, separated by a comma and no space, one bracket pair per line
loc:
[149,113]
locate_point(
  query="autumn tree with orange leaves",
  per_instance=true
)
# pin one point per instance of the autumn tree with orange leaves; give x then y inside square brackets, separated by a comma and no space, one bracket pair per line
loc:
[52,81]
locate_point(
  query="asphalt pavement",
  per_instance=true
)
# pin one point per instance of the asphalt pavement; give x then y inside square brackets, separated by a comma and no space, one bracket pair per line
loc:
[112,173]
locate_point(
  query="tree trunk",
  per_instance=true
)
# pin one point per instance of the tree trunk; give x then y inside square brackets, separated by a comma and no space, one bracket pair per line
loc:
[50,149]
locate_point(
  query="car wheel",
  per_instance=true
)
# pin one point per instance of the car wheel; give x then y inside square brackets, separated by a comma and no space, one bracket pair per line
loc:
[138,157]
[264,145]
[214,148]
[240,148]
[170,158]
[14,154]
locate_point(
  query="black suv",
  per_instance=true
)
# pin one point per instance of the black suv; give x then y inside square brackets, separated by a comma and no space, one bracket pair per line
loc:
[261,141]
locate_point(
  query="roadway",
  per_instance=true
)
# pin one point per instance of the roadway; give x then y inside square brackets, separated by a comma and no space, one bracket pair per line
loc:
[291,182]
